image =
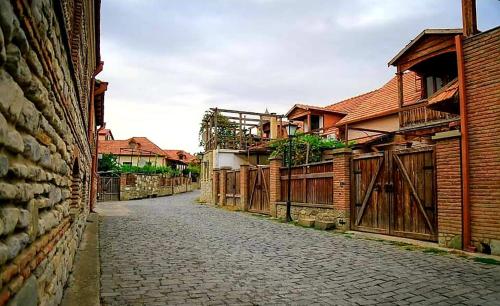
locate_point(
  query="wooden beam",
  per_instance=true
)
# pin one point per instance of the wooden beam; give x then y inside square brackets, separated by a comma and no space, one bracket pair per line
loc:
[242,112]
[370,130]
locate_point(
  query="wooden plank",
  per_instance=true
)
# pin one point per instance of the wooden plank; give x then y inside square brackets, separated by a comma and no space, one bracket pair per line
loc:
[369,192]
[399,163]
[308,176]
[312,205]
[368,155]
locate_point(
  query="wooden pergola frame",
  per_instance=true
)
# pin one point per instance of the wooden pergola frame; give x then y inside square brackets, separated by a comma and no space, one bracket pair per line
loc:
[248,129]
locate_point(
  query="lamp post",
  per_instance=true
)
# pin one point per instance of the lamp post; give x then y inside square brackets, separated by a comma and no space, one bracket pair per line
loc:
[291,129]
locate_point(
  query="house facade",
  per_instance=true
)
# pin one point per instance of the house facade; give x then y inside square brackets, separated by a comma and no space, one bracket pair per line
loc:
[179,159]
[50,107]
[135,151]
[426,160]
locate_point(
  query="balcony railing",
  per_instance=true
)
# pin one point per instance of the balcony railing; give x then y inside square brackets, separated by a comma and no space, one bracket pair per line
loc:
[418,115]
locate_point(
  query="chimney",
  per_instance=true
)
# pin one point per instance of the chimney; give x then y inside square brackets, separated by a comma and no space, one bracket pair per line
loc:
[469,17]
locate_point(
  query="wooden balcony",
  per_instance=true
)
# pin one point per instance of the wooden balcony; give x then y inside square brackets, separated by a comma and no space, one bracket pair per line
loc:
[418,116]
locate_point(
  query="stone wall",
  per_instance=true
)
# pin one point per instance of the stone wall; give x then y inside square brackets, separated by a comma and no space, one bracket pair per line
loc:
[45,144]
[311,211]
[140,186]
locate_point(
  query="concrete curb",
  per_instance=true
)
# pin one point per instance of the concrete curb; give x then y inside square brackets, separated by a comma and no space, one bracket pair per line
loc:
[84,282]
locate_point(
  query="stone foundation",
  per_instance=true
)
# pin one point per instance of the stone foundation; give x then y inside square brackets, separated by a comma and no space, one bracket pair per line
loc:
[311,211]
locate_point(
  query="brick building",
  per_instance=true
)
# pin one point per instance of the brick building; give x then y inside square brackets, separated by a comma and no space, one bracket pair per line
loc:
[50,106]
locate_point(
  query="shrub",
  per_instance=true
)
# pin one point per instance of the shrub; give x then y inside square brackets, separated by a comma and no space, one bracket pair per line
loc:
[301,145]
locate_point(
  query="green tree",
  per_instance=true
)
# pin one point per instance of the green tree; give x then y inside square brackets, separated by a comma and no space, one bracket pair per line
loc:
[225,131]
[108,162]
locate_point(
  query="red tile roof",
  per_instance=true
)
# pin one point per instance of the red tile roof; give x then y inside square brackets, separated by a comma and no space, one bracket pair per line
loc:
[384,101]
[312,107]
[348,105]
[175,155]
[446,93]
[124,147]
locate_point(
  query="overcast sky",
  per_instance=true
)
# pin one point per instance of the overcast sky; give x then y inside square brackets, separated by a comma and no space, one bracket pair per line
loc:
[168,61]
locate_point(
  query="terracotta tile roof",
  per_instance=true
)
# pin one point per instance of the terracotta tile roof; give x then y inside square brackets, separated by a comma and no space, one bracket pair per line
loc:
[104,131]
[312,107]
[124,147]
[444,94]
[384,101]
[348,105]
[174,155]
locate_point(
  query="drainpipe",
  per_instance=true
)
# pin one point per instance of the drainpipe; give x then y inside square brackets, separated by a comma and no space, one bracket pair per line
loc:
[92,129]
[466,209]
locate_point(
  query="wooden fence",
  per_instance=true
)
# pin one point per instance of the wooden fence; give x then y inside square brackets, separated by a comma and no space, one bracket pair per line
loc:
[310,183]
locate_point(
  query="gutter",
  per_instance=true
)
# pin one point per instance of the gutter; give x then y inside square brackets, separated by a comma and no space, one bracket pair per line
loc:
[464,147]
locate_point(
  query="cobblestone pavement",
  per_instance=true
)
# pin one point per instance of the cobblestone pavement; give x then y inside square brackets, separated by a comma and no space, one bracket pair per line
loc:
[171,251]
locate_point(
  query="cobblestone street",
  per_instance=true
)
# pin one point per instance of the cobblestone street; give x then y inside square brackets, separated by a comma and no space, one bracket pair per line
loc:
[172,251]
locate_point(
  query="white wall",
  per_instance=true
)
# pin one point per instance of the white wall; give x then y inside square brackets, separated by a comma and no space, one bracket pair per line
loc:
[228,158]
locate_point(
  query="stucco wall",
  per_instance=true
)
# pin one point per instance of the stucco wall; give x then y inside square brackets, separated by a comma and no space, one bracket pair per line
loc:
[387,123]
[141,161]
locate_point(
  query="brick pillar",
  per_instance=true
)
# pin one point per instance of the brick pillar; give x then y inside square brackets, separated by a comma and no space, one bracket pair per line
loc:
[449,188]
[342,187]
[215,186]
[222,185]
[244,187]
[274,185]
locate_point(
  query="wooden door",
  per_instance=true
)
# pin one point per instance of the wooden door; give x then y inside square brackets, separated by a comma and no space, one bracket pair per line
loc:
[394,193]
[370,204]
[259,180]
[415,209]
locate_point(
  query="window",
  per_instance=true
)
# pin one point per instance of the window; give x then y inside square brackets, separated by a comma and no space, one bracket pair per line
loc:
[315,123]
[433,84]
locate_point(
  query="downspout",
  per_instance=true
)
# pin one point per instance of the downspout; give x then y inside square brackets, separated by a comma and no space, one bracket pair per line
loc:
[466,208]
[91,130]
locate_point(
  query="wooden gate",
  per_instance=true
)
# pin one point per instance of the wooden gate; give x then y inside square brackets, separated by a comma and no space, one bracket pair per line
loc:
[233,188]
[108,188]
[393,193]
[259,180]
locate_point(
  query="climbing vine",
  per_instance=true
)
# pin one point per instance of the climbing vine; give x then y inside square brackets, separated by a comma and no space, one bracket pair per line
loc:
[306,148]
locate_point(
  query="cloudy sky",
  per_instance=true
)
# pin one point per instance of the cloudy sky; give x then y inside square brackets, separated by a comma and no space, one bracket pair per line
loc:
[168,61]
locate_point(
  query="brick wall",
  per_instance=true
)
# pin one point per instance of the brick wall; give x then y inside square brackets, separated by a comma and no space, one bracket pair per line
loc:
[342,186]
[275,186]
[45,152]
[482,78]
[449,189]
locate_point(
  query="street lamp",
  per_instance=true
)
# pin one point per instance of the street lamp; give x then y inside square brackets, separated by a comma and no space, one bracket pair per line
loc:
[291,129]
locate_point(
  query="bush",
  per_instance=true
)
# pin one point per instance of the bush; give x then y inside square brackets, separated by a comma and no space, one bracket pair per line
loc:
[149,169]
[301,145]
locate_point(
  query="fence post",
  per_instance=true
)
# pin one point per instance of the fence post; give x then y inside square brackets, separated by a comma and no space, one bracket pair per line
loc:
[215,186]
[274,185]
[244,187]
[223,185]
[342,187]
